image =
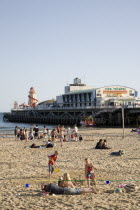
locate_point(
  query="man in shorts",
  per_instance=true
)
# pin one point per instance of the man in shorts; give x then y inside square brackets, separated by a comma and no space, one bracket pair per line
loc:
[52,160]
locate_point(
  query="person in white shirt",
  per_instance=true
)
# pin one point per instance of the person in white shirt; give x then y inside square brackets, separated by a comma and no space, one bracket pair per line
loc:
[76,132]
[69,133]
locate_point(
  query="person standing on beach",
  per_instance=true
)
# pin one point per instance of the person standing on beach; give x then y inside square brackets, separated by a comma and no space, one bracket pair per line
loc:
[51,163]
[58,129]
[16,131]
[89,173]
[36,130]
[31,135]
[76,132]
[26,135]
[44,131]
[22,136]
[69,133]
[53,133]
[62,130]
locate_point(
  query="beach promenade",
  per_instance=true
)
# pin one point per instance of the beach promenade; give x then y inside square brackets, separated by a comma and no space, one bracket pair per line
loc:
[21,166]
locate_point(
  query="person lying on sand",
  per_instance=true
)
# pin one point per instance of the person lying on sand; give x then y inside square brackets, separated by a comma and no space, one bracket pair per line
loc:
[48,145]
[55,189]
[135,130]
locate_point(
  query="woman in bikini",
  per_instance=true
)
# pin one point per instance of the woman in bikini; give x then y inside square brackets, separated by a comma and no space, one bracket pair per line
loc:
[89,173]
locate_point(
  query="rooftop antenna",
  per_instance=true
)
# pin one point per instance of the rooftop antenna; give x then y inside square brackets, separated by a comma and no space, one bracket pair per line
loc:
[84,79]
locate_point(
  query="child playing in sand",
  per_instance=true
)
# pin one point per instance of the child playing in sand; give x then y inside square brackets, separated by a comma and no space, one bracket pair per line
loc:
[52,160]
[89,173]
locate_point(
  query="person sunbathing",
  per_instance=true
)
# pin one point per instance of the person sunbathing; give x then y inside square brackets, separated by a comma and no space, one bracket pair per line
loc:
[135,130]
[33,146]
[48,145]
[55,189]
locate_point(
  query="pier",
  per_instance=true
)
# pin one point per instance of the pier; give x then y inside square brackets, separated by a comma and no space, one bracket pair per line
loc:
[106,116]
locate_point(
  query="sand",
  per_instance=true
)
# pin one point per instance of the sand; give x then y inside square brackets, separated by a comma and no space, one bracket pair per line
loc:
[20,166]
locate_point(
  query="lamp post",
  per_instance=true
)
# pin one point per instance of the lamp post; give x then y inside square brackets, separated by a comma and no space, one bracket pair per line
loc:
[123,120]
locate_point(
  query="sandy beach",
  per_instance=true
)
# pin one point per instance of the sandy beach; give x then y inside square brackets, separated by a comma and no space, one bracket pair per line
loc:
[20,166]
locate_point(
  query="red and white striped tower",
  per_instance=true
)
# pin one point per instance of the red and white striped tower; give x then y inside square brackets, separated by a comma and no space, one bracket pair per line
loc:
[32,97]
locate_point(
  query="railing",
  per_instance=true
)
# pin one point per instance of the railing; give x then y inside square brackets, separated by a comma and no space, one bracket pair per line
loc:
[76,108]
[84,108]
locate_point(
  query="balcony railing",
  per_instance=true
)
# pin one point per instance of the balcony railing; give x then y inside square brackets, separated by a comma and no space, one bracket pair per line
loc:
[73,108]
[85,107]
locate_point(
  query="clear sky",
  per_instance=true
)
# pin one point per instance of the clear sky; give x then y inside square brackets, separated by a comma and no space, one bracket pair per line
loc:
[47,43]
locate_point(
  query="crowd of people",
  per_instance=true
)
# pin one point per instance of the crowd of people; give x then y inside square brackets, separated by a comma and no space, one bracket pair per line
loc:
[60,133]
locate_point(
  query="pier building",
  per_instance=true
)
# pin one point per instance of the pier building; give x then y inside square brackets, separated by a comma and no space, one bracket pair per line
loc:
[78,102]
[80,95]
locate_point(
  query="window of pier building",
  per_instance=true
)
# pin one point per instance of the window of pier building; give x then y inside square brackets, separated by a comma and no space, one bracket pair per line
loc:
[80,97]
[64,99]
[85,97]
[131,93]
[89,96]
[76,98]
[71,97]
[68,98]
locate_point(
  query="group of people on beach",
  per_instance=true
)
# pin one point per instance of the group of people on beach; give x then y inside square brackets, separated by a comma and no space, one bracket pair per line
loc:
[59,133]
[102,144]
[65,185]
[25,134]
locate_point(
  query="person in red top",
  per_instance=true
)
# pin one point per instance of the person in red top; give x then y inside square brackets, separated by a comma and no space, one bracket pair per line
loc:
[89,173]
[52,160]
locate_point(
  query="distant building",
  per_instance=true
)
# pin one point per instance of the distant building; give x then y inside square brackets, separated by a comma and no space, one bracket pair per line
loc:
[115,96]
[76,95]
[81,95]
[77,85]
